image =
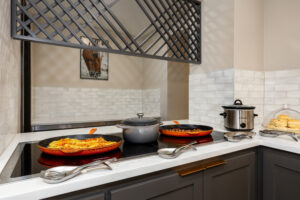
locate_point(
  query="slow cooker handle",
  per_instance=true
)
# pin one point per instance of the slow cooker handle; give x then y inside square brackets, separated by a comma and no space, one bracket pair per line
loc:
[255,115]
[224,114]
[238,102]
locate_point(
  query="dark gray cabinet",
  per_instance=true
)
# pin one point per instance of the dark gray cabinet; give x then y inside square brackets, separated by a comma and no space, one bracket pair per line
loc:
[205,180]
[86,195]
[281,175]
[167,187]
[236,180]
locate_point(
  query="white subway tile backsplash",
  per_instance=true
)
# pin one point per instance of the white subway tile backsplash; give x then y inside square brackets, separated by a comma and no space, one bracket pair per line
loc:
[286,87]
[293,94]
[207,98]
[288,101]
[249,87]
[63,105]
[286,73]
[282,87]
[227,86]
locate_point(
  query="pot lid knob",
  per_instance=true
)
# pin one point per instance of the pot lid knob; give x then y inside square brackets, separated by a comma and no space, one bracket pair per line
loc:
[140,115]
[238,102]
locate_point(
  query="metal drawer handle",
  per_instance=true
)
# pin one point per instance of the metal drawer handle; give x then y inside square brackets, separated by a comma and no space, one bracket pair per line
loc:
[200,168]
[215,164]
[191,170]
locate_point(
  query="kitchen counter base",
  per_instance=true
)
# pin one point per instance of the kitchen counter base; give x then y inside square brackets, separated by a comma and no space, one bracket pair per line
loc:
[35,188]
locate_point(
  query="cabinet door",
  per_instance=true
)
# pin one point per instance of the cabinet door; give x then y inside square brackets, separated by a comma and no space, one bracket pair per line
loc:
[281,172]
[233,181]
[167,187]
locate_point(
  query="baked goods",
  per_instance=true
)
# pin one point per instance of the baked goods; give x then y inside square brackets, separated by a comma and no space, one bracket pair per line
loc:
[279,122]
[284,117]
[284,123]
[294,123]
[69,143]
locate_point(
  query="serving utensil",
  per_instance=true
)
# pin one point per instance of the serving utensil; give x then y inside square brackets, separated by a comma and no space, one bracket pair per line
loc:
[171,153]
[238,136]
[64,173]
[274,133]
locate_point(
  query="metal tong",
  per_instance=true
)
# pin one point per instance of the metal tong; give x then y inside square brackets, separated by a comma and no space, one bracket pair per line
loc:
[58,175]
[273,133]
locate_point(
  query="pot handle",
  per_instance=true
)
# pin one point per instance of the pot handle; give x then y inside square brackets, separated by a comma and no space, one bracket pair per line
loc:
[238,102]
[121,126]
[224,114]
[255,115]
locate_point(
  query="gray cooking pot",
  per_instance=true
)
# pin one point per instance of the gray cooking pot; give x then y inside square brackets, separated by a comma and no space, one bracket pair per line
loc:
[140,130]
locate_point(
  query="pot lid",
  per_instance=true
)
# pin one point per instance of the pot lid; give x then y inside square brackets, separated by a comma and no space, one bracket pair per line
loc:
[238,104]
[140,121]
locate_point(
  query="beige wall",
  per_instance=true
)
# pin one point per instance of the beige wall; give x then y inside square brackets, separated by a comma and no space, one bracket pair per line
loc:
[153,73]
[232,35]
[217,36]
[248,34]
[178,91]
[9,79]
[282,34]
[55,66]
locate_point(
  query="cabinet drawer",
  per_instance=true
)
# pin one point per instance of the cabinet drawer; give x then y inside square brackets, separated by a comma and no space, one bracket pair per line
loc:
[93,195]
[170,186]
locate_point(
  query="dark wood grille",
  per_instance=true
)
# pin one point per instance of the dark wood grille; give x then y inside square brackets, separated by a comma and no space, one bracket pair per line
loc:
[172,29]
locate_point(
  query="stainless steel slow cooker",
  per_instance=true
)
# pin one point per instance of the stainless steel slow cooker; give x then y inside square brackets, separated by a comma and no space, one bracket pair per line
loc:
[140,130]
[238,117]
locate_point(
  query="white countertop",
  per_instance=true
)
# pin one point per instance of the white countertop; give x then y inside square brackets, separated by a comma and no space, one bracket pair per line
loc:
[35,188]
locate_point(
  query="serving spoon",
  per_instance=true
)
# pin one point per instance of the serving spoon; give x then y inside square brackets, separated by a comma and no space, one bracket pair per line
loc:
[171,153]
[273,133]
[64,173]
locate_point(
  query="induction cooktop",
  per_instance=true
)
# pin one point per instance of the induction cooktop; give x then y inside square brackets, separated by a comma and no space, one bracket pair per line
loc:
[27,161]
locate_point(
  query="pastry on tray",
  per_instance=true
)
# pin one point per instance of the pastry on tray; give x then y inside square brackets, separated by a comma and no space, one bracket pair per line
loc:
[284,123]
[294,123]
[284,117]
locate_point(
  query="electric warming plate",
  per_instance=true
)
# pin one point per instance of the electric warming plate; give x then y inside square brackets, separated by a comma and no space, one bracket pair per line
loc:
[27,161]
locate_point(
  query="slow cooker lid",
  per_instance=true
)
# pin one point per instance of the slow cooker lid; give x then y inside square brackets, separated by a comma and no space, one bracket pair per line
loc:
[140,121]
[238,104]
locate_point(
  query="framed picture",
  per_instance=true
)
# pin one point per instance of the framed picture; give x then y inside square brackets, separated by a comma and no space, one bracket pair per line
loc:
[93,64]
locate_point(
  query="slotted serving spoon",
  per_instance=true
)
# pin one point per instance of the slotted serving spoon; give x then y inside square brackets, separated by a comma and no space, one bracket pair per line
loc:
[171,153]
[64,173]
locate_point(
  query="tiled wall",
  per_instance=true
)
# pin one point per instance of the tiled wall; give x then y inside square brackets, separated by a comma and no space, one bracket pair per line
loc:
[267,91]
[208,92]
[9,79]
[249,87]
[64,105]
[151,102]
[282,87]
